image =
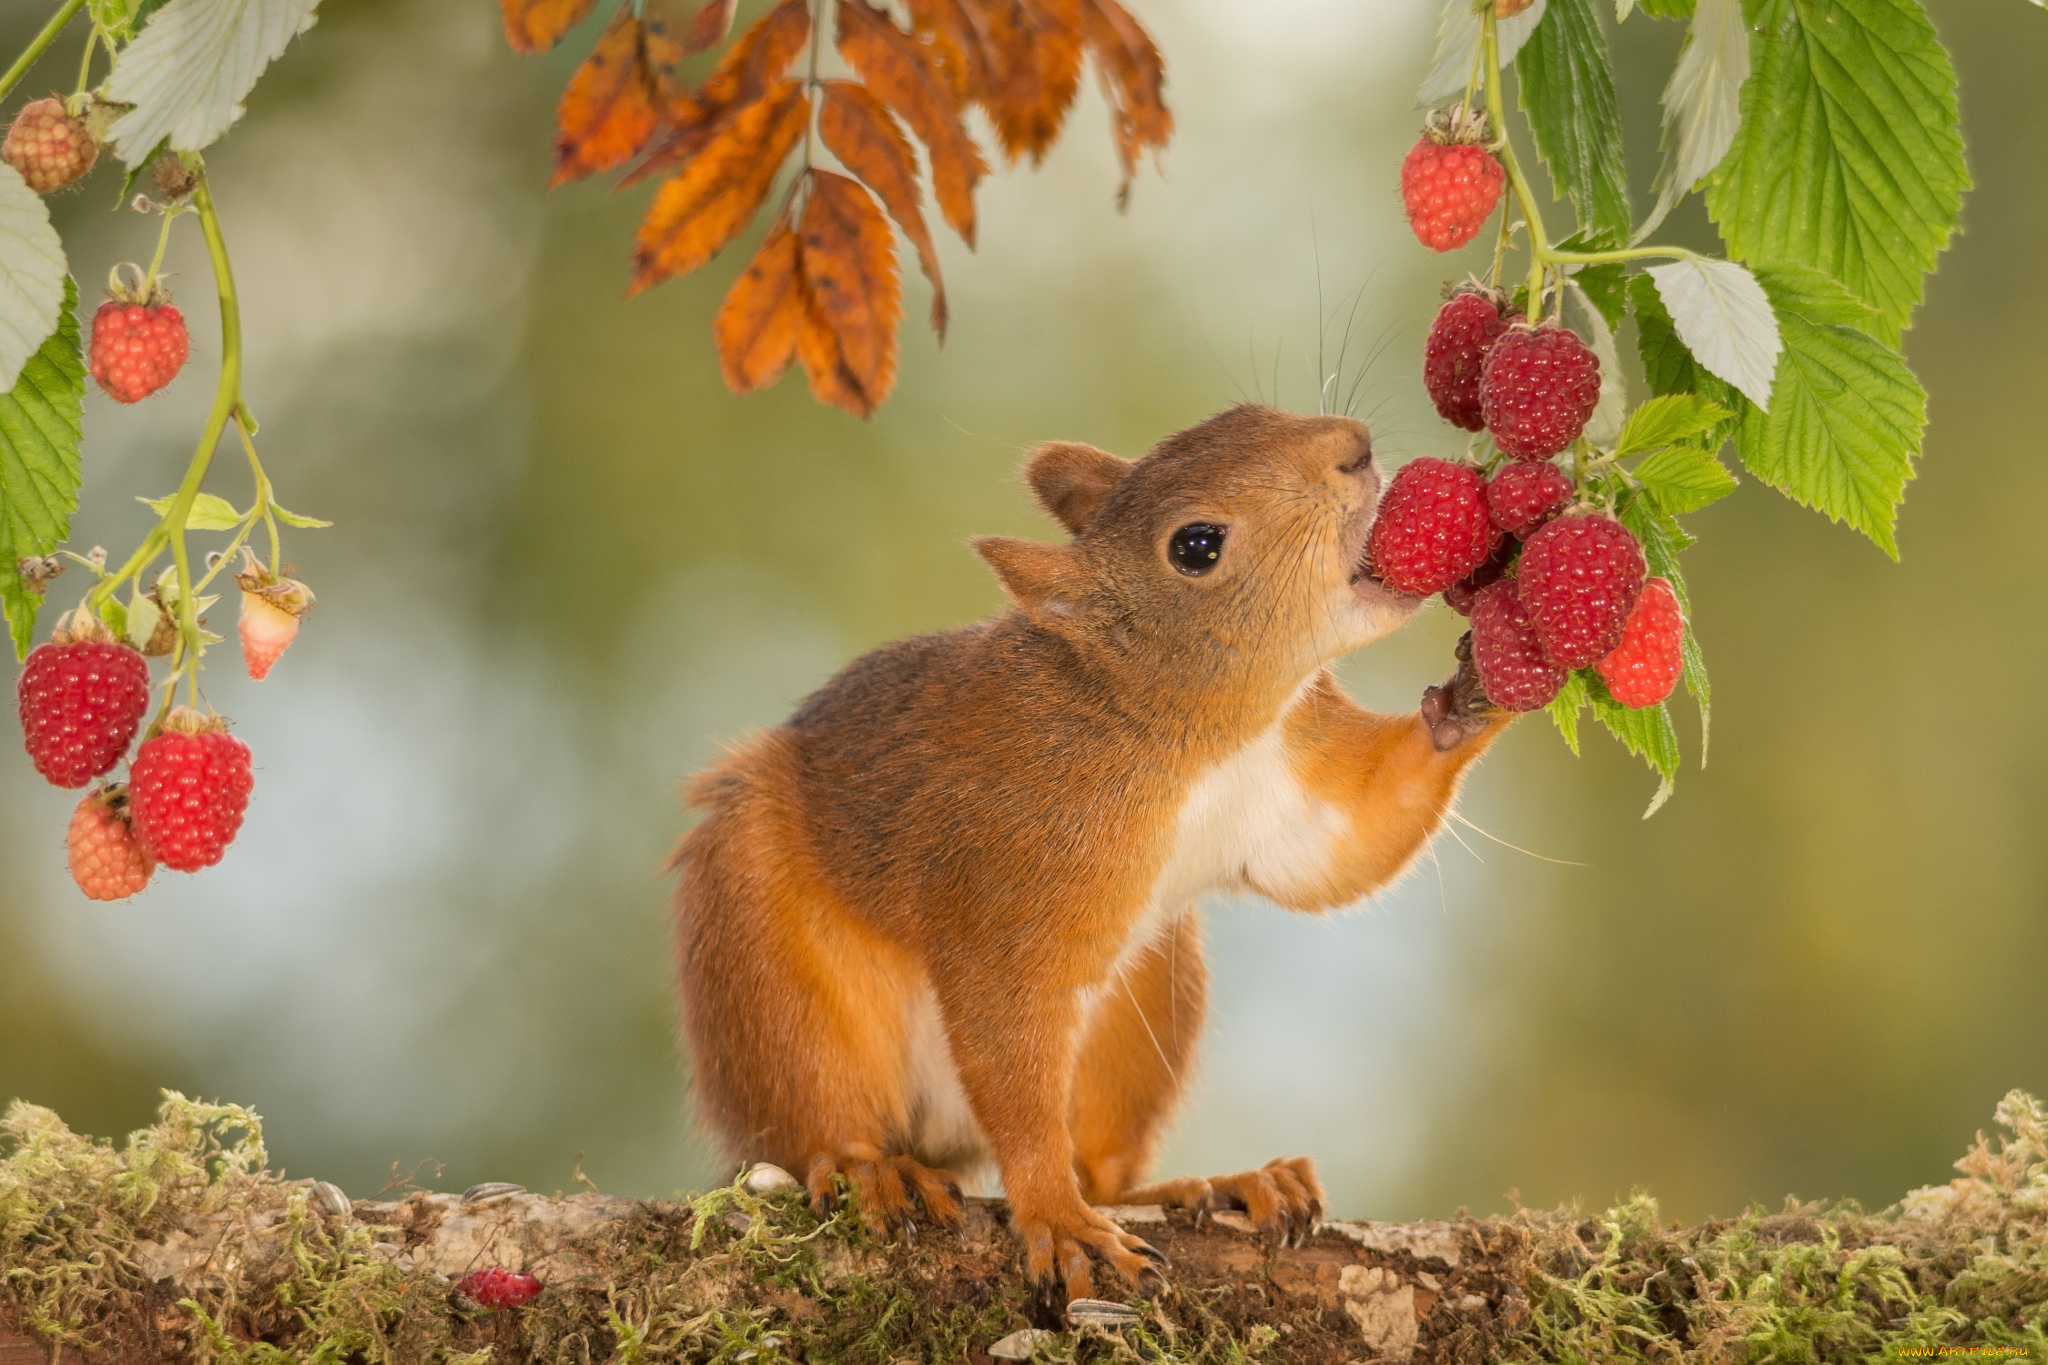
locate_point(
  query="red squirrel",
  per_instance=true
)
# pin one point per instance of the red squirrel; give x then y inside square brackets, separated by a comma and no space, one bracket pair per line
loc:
[946,914]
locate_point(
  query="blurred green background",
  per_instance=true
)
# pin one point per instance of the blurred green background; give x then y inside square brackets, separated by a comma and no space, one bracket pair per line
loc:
[568,564]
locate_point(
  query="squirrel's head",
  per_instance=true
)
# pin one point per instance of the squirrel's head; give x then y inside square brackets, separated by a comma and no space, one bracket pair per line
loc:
[1231,558]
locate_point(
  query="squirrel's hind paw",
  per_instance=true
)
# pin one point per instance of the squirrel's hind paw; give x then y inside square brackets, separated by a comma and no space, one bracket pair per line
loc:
[1058,1253]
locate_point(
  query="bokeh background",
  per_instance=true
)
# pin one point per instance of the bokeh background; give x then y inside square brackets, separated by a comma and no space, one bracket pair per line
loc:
[567,563]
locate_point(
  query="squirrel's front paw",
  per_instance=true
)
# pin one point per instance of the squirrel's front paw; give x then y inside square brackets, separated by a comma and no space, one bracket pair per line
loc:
[1457,710]
[1058,1249]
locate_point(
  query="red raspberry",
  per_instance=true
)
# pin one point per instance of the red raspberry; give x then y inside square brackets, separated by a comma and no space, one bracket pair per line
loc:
[1450,183]
[48,146]
[1512,667]
[138,345]
[81,697]
[108,859]
[1455,354]
[1645,666]
[1432,528]
[189,786]
[1460,594]
[1526,494]
[498,1287]
[1539,387]
[1580,577]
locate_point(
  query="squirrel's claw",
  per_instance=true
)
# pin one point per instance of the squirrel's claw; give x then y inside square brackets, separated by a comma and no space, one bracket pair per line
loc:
[1458,708]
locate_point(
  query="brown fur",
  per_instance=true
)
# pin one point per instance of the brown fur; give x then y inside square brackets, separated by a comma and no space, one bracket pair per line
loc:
[976,822]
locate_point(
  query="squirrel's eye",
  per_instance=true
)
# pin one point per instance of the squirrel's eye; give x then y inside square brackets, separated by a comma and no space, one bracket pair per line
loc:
[1195,548]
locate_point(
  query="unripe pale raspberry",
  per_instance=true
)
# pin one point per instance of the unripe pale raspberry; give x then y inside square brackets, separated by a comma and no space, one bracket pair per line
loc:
[1455,355]
[81,697]
[1510,659]
[108,859]
[1539,386]
[1526,494]
[1580,577]
[272,608]
[50,148]
[1449,182]
[137,348]
[189,788]
[1432,527]
[1645,666]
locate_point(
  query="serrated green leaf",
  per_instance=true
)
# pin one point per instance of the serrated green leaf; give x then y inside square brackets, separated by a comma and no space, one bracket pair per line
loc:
[1671,418]
[1843,429]
[1666,9]
[294,519]
[1564,708]
[1457,40]
[1670,367]
[1646,732]
[1817,298]
[1567,88]
[1850,157]
[39,431]
[1583,316]
[140,169]
[1724,317]
[1607,287]
[208,513]
[1702,104]
[33,276]
[142,621]
[190,70]
[1684,478]
[114,612]
[1695,677]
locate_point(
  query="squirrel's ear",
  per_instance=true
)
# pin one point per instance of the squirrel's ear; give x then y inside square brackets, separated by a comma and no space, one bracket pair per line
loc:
[1071,480]
[1045,580]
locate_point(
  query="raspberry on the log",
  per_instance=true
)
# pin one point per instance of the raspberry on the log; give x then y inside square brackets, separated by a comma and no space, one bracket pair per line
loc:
[1432,528]
[1454,356]
[1539,388]
[189,788]
[498,1287]
[50,148]
[1510,659]
[1449,182]
[1644,667]
[81,697]
[1527,493]
[1580,577]
[108,859]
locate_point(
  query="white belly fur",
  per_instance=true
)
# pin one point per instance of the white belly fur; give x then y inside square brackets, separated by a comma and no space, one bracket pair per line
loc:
[1246,825]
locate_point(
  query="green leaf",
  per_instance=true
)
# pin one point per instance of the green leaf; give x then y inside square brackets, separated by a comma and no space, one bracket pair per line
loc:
[1702,104]
[1568,93]
[1667,420]
[208,513]
[1817,298]
[1724,317]
[1457,38]
[1666,9]
[140,169]
[142,621]
[1844,425]
[1684,478]
[1850,156]
[190,70]
[39,430]
[1662,538]
[294,519]
[1670,367]
[1565,706]
[33,276]
[1646,732]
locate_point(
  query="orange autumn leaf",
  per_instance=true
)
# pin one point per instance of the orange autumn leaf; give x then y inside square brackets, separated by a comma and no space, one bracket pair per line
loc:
[534,26]
[859,131]
[608,111]
[718,192]
[1034,61]
[957,34]
[758,57]
[709,25]
[757,325]
[848,341]
[906,76]
[1133,79]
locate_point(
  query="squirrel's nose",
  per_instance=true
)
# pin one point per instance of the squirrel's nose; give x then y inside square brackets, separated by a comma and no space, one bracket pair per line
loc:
[1359,459]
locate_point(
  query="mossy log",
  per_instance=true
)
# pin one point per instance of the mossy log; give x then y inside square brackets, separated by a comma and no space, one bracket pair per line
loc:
[184,1246]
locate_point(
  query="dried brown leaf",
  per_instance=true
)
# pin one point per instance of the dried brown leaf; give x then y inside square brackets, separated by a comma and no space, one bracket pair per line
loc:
[709,25]
[534,26]
[718,192]
[1133,80]
[750,65]
[848,342]
[905,74]
[1034,69]
[860,131]
[608,112]
[757,325]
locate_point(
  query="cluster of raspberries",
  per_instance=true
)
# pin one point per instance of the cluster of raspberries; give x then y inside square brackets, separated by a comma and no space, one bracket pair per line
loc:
[82,697]
[1549,587]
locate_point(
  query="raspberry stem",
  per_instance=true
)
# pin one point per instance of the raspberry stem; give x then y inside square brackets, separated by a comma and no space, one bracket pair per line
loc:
[38,44]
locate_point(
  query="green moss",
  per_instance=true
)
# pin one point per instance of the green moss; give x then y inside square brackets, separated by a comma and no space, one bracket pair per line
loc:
[736,1278]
